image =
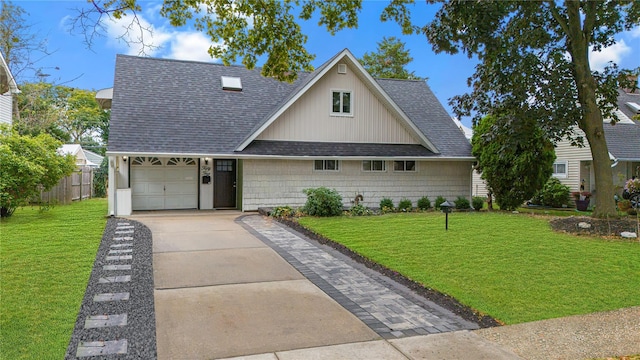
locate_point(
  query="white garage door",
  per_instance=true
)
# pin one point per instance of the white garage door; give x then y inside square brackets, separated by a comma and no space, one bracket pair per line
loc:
[164,183]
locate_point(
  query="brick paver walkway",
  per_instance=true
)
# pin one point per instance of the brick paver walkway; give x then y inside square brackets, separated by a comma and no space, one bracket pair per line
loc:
[388,308]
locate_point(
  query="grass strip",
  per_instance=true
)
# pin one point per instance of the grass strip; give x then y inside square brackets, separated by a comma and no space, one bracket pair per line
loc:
[46,258]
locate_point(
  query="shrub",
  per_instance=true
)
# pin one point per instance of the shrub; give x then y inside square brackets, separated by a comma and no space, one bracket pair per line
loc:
[100,176]
[514,156]
[323,202]
[360,210]
[282,211]
[424,203]
[439,200]
[462,203]
[553,194]
[386,203]
[405,205]
[477,202]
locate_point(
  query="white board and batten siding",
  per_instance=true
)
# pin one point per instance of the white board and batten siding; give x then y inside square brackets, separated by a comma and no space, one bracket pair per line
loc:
[310,118]
[269,183]
[6,108]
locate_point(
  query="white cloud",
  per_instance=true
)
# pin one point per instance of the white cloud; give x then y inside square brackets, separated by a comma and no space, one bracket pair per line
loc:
[190,46]
[599,59]
[635,32]
[136,38]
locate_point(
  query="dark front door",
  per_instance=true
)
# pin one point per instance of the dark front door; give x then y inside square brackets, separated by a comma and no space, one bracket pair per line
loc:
[224,184]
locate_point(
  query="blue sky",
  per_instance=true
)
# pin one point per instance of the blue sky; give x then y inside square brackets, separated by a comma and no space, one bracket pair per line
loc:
[93,68]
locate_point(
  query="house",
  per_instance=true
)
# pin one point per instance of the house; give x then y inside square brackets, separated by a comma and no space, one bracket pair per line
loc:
[83,157]
[573,165]
[190,135]
[8,87]
[93,160]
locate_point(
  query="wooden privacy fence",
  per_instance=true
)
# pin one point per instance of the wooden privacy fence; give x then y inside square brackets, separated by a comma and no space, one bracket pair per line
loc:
[75,187]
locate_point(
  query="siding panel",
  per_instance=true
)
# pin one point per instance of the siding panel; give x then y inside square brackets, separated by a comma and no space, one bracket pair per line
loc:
[268,183]
[309,118]
[5,109]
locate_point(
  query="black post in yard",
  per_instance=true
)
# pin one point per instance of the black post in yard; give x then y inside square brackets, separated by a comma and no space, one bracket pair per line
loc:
[446,221]
[446,209]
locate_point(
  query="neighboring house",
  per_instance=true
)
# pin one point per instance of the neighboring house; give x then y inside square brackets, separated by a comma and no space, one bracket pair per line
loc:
[573,165]
[79,153]
[189,135]
[8,87]
[93,160]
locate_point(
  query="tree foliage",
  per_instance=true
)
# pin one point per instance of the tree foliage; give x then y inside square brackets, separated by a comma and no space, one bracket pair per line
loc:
[534,59]
[68,114]
[514,157]
[27,165]
[390,60]
[19,44]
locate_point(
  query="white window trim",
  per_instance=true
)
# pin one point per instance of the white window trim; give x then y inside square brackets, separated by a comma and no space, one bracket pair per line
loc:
[415,168]
[384,165]
[566,168]
[341,91]
[338,165]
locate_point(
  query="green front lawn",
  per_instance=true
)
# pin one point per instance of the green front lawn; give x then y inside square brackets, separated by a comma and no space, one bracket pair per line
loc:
[510,266]
[45,262]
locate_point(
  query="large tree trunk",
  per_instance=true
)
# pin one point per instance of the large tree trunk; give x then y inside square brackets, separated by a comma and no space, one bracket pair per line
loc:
[591,122]
[605,204]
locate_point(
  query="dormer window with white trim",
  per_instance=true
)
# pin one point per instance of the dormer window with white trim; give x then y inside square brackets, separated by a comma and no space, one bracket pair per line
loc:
[231,83]
[341,103]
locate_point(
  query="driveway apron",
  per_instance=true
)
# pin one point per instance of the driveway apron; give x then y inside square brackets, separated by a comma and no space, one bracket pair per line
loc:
[221,292]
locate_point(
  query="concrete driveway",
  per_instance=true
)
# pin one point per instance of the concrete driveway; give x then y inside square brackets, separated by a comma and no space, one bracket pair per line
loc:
[220,292]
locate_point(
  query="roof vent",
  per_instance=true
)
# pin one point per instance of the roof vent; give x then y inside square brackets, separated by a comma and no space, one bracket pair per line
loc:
[634,106]
[342,68]
[231,83]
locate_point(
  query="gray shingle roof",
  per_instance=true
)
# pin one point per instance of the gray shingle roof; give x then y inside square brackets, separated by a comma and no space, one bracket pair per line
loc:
[179,107]
[623,141]
[319,149]
[624,98]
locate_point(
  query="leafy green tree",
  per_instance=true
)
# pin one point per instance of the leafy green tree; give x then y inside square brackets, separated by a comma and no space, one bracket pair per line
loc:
[534,58]
[389,61]
[514,157]
[27,165]
[69,114]
[533,55]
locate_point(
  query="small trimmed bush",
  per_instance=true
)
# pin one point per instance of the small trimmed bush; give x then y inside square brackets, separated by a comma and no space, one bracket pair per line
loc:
[477,202]
[439,200]
[424,203]
[360,210]
[405,205]
[323,202]
[553,194]
[462,203]
[282,211]
[386,203]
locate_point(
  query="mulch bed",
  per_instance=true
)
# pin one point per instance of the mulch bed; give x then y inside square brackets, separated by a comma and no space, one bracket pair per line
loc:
[447,302]
[599,227]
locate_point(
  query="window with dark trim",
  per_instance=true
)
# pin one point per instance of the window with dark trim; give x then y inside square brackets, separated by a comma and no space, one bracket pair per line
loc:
[326,165]
[404,165]
[374,165]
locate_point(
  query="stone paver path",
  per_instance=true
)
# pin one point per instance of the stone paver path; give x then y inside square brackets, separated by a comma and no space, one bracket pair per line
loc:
[389,310]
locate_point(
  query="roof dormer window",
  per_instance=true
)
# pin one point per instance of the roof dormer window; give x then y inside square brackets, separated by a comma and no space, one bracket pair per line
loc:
[231,83]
